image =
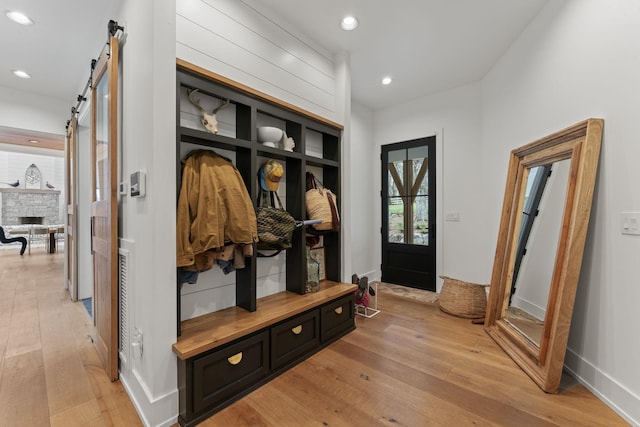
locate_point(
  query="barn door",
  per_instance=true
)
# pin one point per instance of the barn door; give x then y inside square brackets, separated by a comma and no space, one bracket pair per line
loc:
[71,252]
[104,231]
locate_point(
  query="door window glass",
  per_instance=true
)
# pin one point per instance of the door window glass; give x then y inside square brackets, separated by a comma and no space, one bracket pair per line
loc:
[408,196]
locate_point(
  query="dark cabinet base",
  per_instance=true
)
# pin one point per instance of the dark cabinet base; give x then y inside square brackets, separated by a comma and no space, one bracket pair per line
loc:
[210,381]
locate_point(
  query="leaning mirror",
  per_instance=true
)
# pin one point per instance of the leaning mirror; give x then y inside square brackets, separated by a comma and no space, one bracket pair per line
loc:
[543,228]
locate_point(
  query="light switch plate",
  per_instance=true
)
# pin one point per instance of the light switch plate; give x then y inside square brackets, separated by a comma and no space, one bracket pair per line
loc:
[138,183]
[630,223]
[452,217]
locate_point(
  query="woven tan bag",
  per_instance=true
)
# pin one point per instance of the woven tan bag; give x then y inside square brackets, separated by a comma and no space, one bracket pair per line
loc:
[463,299]
[321,204]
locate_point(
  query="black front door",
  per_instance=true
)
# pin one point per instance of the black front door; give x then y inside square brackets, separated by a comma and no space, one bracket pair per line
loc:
[409,213]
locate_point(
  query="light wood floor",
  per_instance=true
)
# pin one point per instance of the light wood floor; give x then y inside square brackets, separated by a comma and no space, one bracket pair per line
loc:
[411,365]
[50,374]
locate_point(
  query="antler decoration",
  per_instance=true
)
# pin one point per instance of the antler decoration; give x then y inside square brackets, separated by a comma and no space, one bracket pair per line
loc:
[209,121]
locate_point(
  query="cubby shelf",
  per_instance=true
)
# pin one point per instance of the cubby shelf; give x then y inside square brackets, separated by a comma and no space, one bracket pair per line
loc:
[269,334]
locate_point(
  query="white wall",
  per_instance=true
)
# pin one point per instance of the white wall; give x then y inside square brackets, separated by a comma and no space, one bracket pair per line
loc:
[454,117]
[242,40]
[578,59]
[364,203]
[147,224]
[25,110]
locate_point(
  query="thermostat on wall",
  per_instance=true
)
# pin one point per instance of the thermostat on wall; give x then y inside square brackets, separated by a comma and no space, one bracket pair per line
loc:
[138,183]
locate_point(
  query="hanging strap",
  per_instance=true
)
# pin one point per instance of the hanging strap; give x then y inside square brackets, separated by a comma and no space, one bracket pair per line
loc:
[271,196]
[334,213]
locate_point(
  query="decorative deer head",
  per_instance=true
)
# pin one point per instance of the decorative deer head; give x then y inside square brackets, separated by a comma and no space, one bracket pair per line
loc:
[209,121]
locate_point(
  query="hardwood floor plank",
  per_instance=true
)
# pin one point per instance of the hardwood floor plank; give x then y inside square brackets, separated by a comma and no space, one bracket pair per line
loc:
[85,414]
[24,333]
[62,327]
[291,412]
[403,388]
[65,387]
[23,391]
[241,413]
[113,402]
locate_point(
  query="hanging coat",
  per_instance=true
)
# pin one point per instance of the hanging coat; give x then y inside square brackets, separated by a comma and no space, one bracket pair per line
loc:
[214,207]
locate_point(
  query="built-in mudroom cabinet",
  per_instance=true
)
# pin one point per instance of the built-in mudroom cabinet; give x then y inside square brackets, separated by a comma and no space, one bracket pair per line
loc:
[226,353]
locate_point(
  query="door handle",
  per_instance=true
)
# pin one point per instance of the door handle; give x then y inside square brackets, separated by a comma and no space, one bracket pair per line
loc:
[91,234]
[235,359]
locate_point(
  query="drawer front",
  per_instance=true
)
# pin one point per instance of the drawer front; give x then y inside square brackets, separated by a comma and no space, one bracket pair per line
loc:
[294,338]
[228,371]
[336,317]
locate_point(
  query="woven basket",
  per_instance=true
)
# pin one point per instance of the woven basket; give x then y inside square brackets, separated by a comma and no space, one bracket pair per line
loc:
[463,299]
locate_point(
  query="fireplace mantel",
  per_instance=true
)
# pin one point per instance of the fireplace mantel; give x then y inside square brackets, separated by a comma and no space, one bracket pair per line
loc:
[29,190]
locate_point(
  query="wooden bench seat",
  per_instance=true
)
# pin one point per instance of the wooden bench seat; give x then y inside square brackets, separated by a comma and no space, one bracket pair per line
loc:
[212,330]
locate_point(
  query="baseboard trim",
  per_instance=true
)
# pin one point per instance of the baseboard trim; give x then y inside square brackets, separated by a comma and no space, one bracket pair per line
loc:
[615,395]
[159,412]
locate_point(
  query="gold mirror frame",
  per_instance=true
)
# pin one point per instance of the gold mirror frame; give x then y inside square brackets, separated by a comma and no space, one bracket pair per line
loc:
[580,143]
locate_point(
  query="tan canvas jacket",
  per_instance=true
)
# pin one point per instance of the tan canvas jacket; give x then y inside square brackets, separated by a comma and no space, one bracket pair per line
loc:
[214,207]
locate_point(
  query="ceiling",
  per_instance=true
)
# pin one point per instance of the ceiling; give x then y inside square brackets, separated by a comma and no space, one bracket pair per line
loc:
[426,46]
[31,139]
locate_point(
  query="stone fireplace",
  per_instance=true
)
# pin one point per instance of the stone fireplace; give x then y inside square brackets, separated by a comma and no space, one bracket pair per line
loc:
[29,206]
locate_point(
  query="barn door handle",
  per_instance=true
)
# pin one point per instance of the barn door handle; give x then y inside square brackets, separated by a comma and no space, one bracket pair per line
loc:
[297,330]
[91,235]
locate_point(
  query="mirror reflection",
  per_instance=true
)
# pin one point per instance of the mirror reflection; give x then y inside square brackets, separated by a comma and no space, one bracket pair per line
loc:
[540,229]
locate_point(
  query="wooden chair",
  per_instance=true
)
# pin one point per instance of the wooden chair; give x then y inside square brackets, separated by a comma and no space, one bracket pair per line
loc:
[40,232]
[5,239]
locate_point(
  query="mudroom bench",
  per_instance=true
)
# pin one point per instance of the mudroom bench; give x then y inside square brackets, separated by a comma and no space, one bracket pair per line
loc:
[224,355]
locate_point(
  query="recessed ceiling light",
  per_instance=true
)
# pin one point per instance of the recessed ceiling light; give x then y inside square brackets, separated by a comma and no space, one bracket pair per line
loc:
[19,17]
[21,74]
[386,80]
[34,141]
[349,23]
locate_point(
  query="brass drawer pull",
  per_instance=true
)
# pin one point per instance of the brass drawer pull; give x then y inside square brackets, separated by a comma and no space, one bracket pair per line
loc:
[235,359]
[338,310]
[297,330]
